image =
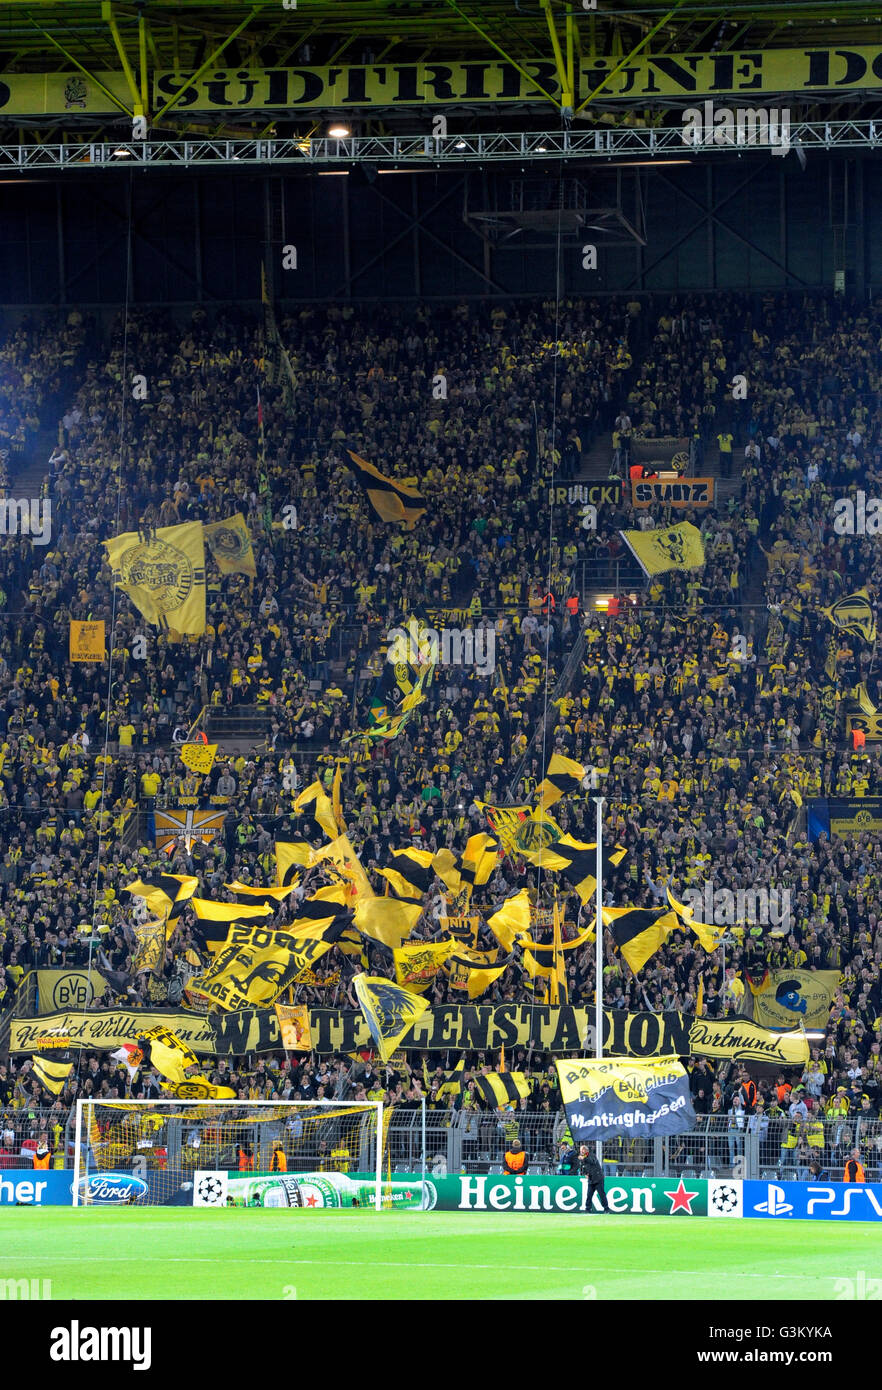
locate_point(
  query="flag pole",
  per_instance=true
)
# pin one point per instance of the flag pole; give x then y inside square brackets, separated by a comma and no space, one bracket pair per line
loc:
[598,947]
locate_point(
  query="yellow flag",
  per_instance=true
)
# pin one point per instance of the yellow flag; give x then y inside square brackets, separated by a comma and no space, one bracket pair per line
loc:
[564,775]
[511,920]
[324,812]
[198,757]
[86,641]
[163,574]
[211,911]
[387,919]
[51,1075]
[854,613]
[336,803]
[168,1054]
[294,1027]
[197,1088]
[229,544]
[417,964]
[699,997]
[677,547]
[475,980]
[290,856]
[558,987]
[391,1012]
[342,855]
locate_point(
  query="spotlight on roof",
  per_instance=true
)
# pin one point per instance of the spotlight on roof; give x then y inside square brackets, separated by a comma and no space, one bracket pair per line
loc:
[339,132]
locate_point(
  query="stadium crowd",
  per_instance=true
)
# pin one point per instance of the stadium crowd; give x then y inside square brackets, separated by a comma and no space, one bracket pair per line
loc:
[701,703]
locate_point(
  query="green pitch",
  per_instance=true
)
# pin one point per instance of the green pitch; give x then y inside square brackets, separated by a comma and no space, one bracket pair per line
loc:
[175,1253]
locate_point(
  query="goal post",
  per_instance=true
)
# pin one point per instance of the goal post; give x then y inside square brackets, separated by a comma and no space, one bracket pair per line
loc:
[320,1153]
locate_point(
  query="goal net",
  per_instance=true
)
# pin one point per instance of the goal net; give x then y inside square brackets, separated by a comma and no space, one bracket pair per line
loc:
[233,1153]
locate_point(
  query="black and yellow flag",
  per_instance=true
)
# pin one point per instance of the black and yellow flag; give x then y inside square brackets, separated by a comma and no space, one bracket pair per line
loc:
[324,811]
[479,860]
[563,776]
[229,544]
[390,499]
[166,895]
[501,1089]
[51,1075]
[197,1088]
[168,1054]
[452,1083]
[198,757]
[163,573]
[708,935]
[507,823]
[417,964]
[149,952]
[474,979]
[291,855]
[412,874]
[854,613]
[268,896]
[639,931]
[677,547]
[576,860]
[341,854]
[255,967]
[391,1012]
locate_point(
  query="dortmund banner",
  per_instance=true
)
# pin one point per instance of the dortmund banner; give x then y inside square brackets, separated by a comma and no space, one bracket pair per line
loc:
[677,547]
[255,967]
[86,641]
[198,757]
[229,545]
[163,573]
[790,998]
[563,1029]
[617,1096]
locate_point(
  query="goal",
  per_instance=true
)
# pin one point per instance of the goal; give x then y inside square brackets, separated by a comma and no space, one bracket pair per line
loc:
[321,1153]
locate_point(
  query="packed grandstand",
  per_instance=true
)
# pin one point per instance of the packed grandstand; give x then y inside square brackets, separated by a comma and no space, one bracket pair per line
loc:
[707,705]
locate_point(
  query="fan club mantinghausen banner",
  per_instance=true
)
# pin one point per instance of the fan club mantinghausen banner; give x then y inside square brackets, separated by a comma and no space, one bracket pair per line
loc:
[617,1096]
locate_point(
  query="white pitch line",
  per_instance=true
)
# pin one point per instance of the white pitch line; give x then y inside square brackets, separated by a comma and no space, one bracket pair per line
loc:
[399,1264]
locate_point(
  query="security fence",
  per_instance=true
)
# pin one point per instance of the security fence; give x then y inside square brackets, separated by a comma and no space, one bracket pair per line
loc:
[475,1141]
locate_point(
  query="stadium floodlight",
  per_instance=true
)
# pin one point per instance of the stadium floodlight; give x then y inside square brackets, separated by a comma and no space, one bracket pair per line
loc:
[231,1153]
[339,132]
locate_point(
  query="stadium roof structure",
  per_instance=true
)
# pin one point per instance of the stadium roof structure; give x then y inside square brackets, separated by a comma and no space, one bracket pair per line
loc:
[600,79]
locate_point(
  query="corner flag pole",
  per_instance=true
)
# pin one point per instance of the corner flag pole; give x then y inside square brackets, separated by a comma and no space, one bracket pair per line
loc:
[598,947]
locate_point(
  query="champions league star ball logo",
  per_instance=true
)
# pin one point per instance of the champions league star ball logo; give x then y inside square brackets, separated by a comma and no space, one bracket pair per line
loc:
[724,1198]
[210,1190]
[160,568]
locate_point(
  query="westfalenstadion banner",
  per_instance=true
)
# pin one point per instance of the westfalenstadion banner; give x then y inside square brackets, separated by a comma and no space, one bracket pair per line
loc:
[616,1096]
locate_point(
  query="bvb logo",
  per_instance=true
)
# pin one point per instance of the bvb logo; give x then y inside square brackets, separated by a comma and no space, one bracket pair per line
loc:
[229,543]
[72,992]
[161,568]
[193,1090]
[630,1088]
[864,818]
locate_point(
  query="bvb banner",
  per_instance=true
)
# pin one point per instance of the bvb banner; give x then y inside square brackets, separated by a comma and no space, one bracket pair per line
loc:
[64,989]
[467,1027]
[685,492]
[615,1097]
[86,641]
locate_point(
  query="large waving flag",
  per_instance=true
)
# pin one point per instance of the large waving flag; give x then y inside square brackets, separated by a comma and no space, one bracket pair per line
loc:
[167,1053]
[166,895]
[499,1089]
[163,573]
[639,931]
[677,547]
[390,499]
[563,776]
[391,1012]
[51,1075]
[854,613]
[417,964]
[291,855]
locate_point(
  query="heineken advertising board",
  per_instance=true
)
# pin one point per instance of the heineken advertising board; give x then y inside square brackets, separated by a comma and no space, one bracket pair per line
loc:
[639,1196]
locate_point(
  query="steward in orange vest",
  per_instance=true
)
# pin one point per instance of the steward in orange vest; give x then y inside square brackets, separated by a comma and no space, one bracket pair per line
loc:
[515,1160]
[279,1162]
[42,1157]
[854,1169]
[246,1158]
